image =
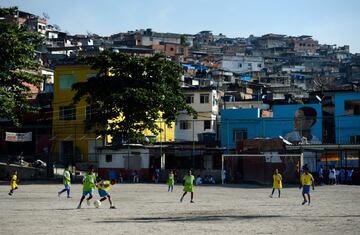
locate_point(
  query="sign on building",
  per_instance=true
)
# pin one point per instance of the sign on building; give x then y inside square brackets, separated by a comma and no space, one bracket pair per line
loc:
[18,137]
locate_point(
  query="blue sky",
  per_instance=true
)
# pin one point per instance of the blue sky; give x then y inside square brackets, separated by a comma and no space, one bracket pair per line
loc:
[329,21]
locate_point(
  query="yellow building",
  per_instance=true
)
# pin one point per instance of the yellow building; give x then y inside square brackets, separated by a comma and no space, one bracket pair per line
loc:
[71,142]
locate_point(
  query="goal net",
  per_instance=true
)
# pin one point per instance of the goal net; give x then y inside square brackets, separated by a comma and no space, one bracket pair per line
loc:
[259,168]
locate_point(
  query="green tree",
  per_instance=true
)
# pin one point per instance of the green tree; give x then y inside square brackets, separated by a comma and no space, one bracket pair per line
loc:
[18,67]
[183,40]
[134,92]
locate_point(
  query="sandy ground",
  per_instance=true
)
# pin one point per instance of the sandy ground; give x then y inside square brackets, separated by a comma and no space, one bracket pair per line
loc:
[150,209]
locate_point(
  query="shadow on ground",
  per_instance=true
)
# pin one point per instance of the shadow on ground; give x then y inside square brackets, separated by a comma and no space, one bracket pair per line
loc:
[208,218]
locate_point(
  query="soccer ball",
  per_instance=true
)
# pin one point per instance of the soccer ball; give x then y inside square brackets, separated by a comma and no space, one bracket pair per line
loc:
[97,203]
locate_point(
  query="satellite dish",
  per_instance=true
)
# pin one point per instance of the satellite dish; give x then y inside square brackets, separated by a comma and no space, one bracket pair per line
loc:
[285,141]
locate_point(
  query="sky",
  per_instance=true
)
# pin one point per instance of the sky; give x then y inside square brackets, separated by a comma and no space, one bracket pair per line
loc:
[328,21]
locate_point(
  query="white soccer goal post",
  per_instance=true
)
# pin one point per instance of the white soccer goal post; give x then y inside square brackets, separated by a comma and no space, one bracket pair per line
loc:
[260,167]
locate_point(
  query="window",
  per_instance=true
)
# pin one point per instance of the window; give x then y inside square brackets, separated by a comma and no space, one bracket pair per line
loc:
[108,158]
[355,139]
[239,135]
[207,124]
[249,64]
[67,113]
[190,99]
[88,112]
[352,107]
[204,98]
[66,81]
[171,49]
[357,109]
[240,65]
[259,65]
[185,125]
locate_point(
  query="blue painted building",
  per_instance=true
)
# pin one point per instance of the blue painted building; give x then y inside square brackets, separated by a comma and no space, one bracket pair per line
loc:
[347,118]
[240,124]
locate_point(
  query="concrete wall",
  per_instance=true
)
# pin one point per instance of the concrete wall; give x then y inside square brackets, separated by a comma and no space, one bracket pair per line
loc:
[124,162]
[24,173]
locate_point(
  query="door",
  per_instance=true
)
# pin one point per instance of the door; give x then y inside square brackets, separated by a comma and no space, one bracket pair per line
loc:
[67,151]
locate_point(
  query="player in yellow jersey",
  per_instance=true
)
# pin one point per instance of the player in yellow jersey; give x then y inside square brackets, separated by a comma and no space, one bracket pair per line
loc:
[307,180]
[188,186]
[277,182]
[104,187]
[13,183]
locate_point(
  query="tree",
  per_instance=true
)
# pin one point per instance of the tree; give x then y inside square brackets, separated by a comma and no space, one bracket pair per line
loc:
[18,68]
[132,92]
[183,41]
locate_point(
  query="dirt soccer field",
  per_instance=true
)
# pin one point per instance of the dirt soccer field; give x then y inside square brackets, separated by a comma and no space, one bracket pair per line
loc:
[150,209]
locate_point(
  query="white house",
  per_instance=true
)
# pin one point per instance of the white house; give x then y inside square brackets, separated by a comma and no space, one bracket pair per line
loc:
[242,64]
[204,100]
[124,160]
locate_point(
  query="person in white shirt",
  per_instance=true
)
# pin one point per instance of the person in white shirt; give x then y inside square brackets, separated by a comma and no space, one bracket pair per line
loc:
[198,180]
[332,175]
[321,175]
[223,176]
[337,174]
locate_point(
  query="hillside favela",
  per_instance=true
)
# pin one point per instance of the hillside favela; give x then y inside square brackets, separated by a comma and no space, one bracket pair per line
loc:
[238,123]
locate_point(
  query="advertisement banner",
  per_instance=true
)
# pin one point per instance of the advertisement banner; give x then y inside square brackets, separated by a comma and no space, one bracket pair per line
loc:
[18,137]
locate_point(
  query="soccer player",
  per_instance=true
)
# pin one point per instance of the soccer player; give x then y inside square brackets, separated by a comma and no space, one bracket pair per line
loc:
[307,180]
[171,181]
[13,183]
[88,186]
[277,182]
[188,186]
[67,182]
[103,188]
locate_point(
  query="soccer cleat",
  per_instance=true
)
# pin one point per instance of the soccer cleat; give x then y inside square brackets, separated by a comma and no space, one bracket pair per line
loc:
[271,195]
[181,199]
[10,194]
[59,194]
[69,197]
[192,201]
[112,207]
[88,202]
[303,203]
[79,207]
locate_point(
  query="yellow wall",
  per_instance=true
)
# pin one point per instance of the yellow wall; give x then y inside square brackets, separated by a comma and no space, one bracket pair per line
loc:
[70,130]
[167,134]
[74,130]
